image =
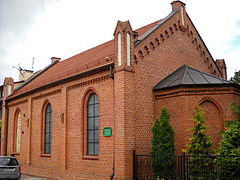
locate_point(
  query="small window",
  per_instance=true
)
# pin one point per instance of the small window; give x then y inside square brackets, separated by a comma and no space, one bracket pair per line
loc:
[48,130]
[93,125]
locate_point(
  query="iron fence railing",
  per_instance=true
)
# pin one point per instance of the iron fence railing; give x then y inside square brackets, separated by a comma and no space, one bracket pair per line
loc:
[186,167]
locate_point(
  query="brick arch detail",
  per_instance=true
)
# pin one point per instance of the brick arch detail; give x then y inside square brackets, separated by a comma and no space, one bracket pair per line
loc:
[87,93]
[214,119]
[17,111]
[44,104]
[43,107]
[214,102]
[83,118]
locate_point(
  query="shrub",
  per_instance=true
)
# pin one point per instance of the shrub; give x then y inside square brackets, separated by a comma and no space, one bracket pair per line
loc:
[229,148]
[163,149]
[199,148]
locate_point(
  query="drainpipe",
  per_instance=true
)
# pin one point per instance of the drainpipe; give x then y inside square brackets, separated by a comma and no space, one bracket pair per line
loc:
[113,161]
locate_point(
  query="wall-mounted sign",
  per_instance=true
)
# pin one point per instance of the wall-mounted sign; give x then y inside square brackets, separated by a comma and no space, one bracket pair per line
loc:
[107,131]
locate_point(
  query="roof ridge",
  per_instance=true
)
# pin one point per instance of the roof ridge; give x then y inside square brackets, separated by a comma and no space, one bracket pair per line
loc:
[221,79]
[35,75]
[168,76]
[191,78]
[87,50]
[79,63]
[184,75]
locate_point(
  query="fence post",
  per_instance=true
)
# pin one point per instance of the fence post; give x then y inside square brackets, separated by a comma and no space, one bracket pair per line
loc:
[184,166]
[134,165]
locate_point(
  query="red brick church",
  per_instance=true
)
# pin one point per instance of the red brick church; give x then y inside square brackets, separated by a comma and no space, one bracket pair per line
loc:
[82,117]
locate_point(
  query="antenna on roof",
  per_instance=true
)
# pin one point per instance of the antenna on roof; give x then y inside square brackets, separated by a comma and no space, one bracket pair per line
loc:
[33,62]
[18,68]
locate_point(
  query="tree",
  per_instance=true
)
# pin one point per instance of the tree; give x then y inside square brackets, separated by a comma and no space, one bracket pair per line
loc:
[199,148]
[229,147]
[236,77]
[163,149]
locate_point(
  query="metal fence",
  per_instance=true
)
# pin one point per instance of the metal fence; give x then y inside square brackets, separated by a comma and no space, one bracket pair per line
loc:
[186,167]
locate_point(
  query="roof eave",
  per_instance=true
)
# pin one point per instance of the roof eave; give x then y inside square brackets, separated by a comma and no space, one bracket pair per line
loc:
[35,75]
[198,86]
[55,83]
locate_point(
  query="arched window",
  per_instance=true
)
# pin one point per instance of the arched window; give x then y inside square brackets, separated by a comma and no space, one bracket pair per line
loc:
[18,132]
[47,129]
[92,125]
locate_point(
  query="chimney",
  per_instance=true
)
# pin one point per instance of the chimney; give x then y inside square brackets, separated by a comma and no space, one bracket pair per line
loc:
[55,59]
[222,66]
[177,5]
[25,74]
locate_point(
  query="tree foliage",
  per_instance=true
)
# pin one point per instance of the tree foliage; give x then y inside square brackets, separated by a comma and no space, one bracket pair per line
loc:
[236,77]
[199,148]
[230,146]
[163,149]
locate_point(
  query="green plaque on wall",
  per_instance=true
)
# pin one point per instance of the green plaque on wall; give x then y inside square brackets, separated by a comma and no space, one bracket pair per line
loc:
[107,131]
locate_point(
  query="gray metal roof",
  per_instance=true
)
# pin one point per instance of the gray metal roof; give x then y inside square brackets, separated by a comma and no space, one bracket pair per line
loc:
[186,75]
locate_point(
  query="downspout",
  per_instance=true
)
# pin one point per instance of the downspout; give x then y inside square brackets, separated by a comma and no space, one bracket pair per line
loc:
[111,75]
[6,129]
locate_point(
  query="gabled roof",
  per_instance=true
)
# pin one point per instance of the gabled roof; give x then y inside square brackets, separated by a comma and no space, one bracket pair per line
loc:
[86,61]
[187,76]
[147,33]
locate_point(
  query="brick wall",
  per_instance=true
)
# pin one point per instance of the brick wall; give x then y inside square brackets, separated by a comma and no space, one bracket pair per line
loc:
[68,155]
[127,105]
[181,106]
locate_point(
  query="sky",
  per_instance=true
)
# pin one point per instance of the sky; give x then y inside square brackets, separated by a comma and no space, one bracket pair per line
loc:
[41,29]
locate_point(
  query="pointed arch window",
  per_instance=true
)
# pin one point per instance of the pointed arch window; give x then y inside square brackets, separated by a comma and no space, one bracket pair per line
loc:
[47,129]
[18,127]
[93,125]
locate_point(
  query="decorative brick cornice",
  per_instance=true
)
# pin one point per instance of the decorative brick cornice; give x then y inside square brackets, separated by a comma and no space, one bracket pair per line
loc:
[146,49]
[187,91]
[88,82]
[47,94]
[17,103]
[160,38]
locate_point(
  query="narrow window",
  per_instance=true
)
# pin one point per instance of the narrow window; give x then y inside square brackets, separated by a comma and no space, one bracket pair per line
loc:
[182,15]
[9,90]
[119,50]
[18,132]
[48,130]
[128,49]
[93,125]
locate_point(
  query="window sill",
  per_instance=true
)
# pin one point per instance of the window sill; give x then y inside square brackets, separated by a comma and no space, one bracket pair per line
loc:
[45,155]
[89,157]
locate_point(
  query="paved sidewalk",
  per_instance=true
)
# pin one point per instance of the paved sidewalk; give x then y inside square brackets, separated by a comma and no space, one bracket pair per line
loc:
[26,177]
